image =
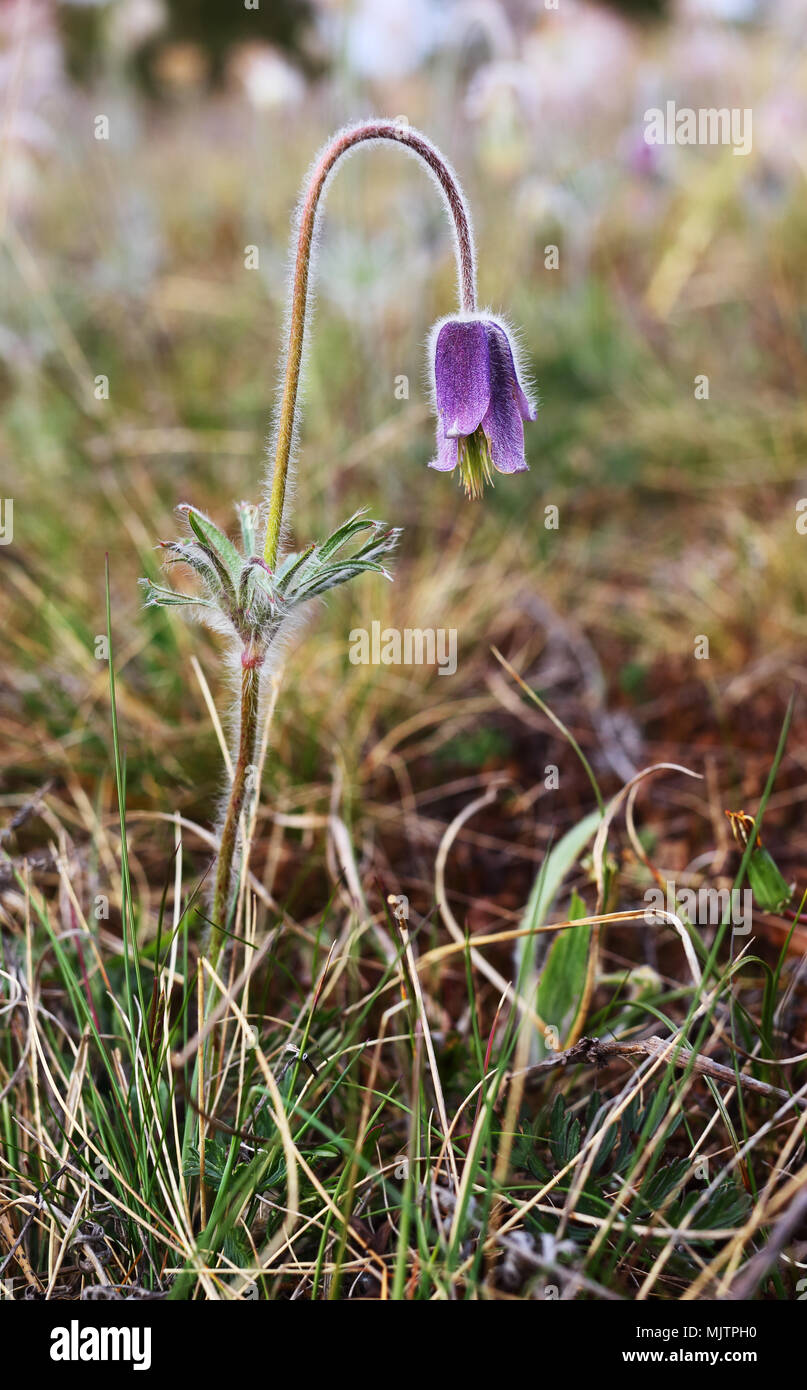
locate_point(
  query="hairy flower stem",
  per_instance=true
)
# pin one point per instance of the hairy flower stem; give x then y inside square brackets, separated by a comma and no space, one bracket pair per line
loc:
[466,270]
[250,695]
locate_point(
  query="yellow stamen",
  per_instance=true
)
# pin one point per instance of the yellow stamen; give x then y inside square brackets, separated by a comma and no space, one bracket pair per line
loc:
[475,463]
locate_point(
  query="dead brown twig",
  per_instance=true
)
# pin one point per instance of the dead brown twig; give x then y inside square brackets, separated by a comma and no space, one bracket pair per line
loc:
[598,1052]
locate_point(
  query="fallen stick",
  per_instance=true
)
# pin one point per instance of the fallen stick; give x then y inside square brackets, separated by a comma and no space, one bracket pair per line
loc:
[598,1052]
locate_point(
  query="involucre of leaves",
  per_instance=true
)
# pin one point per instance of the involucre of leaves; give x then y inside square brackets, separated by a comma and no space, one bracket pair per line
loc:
[239,589]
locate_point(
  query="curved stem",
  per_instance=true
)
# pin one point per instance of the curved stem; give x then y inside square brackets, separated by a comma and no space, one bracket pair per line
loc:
[250,691]
[466,273]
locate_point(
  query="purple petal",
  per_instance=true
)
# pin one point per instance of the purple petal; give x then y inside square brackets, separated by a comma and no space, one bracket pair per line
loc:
[461,376]
[447,458]
[505,366]
[503,423]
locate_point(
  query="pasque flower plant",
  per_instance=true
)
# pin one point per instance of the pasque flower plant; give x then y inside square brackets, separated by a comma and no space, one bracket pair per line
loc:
[252,593]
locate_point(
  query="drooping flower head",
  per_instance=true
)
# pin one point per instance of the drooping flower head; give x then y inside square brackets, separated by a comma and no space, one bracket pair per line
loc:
[481,404]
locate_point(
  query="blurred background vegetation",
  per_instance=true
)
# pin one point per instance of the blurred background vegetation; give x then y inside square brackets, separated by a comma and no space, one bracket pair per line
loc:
[125,258]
